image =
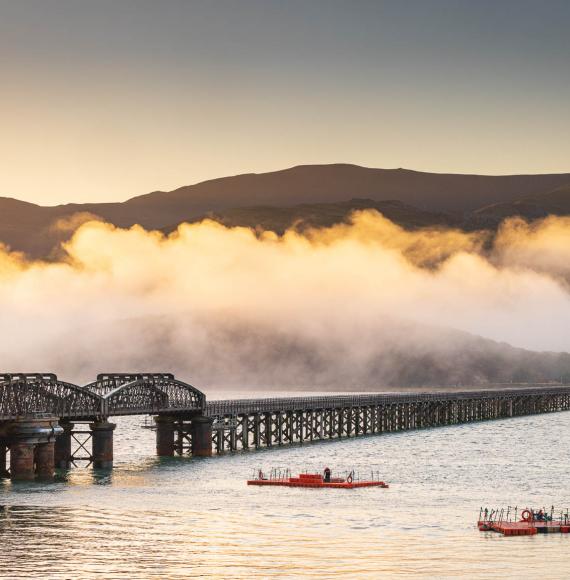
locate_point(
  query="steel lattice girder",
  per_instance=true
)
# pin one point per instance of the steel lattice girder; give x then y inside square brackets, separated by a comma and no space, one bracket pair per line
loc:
[28,394]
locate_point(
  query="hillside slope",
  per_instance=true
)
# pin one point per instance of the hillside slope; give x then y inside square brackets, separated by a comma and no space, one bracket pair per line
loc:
[319,215]
[339,182]
[531,207]
[402,354]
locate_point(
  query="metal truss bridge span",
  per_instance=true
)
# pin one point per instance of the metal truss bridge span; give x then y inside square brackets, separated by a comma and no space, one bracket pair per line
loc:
[27,394]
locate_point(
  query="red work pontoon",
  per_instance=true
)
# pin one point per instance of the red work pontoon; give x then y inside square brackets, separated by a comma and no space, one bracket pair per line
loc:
[284,479]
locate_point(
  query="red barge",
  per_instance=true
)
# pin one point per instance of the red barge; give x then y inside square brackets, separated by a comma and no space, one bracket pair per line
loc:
[531,522]
[314,480]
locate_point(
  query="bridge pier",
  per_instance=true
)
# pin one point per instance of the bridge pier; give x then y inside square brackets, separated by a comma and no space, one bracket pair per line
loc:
[192,434]
[102,442]
[62,451]
[202,436]
[165,428]
[31,443]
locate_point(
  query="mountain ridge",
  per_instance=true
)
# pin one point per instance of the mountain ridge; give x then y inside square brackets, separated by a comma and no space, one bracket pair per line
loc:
[338,182]
[26,227]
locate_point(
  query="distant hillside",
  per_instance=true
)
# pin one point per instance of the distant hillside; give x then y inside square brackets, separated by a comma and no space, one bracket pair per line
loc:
[531,207]
[319,215]
[282,197]
[334,183]
[29,228]
[401,354]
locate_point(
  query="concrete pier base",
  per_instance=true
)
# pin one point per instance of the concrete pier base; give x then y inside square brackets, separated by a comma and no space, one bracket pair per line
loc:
[62,450]
[202,436]
[44,458]
[164,436]
[102,441]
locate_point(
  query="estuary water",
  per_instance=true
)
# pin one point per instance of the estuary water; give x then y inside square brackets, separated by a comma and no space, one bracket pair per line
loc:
[187,518]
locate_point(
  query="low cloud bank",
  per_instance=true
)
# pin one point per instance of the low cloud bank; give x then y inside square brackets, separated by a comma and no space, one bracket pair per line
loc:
[360,305]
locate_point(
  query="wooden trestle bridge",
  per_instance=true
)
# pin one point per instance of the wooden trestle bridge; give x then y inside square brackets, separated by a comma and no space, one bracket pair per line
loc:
[41,416]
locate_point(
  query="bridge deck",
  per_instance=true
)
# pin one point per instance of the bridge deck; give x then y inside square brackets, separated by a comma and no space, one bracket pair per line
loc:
[264,405]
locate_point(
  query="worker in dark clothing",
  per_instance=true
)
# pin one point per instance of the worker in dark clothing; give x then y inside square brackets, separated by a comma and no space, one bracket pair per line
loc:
[327,477]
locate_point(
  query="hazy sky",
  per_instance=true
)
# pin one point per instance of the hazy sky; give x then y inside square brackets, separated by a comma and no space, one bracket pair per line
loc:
[105,99]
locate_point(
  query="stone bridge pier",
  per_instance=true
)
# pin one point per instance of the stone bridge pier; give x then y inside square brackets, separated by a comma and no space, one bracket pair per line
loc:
[31,442]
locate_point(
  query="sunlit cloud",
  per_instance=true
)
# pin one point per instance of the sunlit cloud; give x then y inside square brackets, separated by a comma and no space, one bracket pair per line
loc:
[231,306]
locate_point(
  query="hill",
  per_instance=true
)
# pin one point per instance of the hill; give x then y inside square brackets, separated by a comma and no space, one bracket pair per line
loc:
[306,192]
[339,182]
[531,207]
[399,354]
[319,215]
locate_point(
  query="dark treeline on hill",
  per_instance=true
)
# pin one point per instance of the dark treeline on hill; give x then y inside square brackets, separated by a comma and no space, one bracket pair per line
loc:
[303,196]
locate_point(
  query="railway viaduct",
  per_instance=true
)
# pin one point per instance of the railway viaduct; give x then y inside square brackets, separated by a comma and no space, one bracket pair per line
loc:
[40,416]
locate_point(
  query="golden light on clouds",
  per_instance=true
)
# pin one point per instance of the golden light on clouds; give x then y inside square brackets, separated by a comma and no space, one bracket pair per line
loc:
[136,297]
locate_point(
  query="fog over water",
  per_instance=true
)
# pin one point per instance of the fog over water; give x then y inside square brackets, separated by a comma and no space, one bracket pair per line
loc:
[231,307]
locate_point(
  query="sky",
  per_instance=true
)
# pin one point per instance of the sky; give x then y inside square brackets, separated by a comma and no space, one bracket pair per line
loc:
[102,101]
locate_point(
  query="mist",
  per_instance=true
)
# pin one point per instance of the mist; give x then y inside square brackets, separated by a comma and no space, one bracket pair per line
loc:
[362,305]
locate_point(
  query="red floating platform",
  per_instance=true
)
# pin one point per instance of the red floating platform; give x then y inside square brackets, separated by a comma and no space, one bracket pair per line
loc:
[315,480]
[524,528]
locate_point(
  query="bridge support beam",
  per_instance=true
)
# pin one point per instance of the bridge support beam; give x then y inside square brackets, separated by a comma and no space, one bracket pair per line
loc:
[165,428]
[102,442]
[62,451]
[202,436]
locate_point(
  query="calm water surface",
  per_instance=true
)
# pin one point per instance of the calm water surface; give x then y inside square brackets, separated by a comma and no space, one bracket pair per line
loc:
[182,518]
